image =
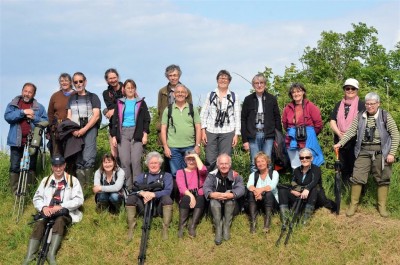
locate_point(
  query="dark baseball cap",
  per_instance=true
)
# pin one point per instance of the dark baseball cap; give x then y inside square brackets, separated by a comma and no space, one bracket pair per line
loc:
[57,160]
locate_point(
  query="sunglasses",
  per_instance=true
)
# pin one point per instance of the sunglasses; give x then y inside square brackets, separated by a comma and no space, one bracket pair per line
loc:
[305,157]
[350,88]
[78,81]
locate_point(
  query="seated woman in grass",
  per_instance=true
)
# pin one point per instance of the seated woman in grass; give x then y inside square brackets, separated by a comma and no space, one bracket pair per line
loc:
[305,185]
[108,182]
[263,194]
[190,182]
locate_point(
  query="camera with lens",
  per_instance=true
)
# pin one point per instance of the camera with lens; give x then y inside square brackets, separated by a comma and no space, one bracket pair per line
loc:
[369,134]
[83,121]
[195,192]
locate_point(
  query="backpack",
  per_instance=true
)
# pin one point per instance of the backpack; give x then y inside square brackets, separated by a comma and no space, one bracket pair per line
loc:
[279,156]
[213,96]
[90,94]
[191,113]
[257,175]
[68,179]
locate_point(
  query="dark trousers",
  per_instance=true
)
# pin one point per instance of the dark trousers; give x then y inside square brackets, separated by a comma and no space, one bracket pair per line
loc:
[185,202]
[58,227]
[135,200]
[267,200]
[286,197]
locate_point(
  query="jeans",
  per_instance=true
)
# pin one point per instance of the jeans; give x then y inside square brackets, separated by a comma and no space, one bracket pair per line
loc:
[177,160]
[16,154]
[294,158]
[112,197]
[260,143]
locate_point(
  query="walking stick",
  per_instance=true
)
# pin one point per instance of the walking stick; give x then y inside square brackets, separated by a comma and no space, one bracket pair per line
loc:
[338,181]
[296,217]
[22,181]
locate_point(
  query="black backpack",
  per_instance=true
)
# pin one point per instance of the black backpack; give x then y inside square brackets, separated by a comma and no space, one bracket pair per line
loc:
[170,120]
[279,156]
[213,96]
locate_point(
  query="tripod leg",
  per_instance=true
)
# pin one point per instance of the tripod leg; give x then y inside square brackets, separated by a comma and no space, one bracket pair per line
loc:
[22,194]
[145,231]
[296,216]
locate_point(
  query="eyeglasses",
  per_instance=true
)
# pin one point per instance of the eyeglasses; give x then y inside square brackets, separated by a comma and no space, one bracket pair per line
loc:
[348,88]
[370,104]
[78,81]
[305,157]
[258,83]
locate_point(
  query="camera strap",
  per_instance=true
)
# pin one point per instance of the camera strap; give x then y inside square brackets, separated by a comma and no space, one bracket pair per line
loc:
[198,178]
[304,117]
[160,177]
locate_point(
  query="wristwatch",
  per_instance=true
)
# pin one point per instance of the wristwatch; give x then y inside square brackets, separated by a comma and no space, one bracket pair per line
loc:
[198,145]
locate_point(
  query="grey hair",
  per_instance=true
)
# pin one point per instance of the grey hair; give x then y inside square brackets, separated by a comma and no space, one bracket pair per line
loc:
[181,85]
[372,96]
[305,150]
[224,155]
[172,68]
[258,77]
[150,155]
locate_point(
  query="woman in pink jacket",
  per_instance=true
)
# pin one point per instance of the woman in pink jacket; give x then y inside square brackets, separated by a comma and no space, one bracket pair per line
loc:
[297,118]
[190,182]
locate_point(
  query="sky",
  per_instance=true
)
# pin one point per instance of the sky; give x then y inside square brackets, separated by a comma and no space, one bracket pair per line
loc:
[41,39]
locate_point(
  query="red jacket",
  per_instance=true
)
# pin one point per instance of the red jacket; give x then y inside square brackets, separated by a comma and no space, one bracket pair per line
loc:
[312,117]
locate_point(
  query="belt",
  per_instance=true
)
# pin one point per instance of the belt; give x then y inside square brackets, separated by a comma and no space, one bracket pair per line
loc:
[259,130]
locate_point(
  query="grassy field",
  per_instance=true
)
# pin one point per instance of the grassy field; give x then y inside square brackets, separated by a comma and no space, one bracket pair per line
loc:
[365,238]
[101,239]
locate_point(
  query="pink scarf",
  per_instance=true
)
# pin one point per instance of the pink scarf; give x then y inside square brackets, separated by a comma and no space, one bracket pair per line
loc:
[342,122]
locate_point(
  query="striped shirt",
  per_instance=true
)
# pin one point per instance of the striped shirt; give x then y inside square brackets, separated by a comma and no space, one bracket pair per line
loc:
[208,114]
[390,125]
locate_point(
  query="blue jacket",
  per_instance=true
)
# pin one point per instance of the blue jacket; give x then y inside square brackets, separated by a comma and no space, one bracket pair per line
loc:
[311,143]
[14,116]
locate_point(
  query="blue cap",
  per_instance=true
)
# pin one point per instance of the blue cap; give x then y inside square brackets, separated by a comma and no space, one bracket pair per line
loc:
[57,160]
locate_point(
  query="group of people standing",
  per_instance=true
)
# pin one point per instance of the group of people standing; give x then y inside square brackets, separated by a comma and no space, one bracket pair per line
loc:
[366,135]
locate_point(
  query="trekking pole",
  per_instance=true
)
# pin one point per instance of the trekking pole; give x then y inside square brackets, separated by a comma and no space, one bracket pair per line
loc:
[338,181]
[22,181]
[295,219]
[148,214]
[44,149]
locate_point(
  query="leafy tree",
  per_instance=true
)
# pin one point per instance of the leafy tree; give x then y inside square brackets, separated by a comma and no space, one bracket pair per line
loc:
[356,54]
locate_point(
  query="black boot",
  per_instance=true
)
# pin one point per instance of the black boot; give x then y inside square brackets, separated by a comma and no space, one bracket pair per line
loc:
[183,217]
[253,216]
[197,213]
[267,219]
[284,214]
[308,211]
